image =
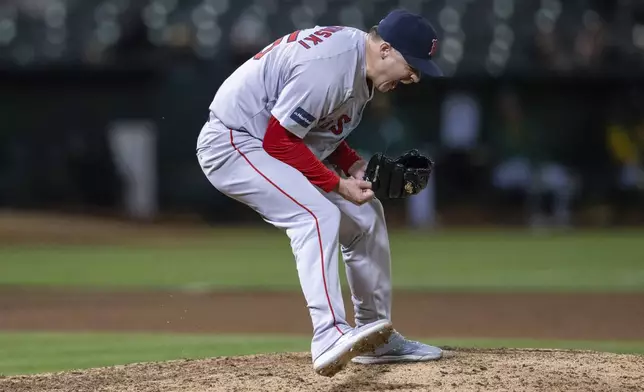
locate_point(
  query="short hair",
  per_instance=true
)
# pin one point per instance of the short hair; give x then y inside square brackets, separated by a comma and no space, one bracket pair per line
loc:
[373,32]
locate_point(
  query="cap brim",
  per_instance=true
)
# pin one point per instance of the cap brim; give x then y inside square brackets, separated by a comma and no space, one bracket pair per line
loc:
[426,67]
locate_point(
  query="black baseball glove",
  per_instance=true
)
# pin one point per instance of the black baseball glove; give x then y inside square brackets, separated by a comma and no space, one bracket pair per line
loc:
[400,177]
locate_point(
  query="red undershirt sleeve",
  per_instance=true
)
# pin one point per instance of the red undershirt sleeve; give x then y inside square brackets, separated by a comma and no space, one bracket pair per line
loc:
[290,149]
[344,157]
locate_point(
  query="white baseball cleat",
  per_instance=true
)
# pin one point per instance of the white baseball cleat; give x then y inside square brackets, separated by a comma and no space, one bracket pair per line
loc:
[361,340]
[399,349]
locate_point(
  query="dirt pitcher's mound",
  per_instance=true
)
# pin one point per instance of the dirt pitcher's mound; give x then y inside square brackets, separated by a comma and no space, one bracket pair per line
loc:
[462,370]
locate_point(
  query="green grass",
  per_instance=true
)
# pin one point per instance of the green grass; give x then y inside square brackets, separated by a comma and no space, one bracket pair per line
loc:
[28,353]
[494,260]
[22,353]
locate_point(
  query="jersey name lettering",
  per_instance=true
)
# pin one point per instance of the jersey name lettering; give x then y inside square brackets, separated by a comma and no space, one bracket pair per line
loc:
[314,39]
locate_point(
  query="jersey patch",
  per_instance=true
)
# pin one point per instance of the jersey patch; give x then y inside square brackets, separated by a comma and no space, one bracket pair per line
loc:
[302,117]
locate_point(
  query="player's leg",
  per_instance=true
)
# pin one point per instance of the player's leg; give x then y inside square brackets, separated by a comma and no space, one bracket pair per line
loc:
[365,248]
[283,198]
[237,166]
[364,242]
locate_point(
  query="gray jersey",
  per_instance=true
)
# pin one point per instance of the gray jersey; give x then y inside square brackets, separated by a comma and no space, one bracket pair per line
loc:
[312,81]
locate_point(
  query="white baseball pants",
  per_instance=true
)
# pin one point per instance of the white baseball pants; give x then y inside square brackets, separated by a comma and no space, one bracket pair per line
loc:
[316,223]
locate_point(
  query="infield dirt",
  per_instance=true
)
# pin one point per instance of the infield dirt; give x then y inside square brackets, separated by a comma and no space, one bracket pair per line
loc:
[466,370]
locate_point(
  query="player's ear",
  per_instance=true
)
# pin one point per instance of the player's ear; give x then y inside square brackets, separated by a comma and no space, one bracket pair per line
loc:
[385,49]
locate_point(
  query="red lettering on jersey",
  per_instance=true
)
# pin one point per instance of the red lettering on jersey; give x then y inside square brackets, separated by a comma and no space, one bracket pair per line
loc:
[293,36]
[314,39]
[337,130]
[268,49]
[323,33]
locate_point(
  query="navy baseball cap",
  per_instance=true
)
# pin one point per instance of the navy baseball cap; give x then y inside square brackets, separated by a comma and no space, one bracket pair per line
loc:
[414,37]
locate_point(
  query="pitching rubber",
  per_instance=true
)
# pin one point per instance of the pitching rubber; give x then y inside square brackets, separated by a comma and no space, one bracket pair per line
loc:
[365,341]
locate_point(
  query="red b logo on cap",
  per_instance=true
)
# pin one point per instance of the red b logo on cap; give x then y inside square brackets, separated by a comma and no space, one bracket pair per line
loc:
[434,47]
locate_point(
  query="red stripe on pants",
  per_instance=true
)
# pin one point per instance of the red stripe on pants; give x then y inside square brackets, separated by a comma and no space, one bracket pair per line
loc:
[317,226]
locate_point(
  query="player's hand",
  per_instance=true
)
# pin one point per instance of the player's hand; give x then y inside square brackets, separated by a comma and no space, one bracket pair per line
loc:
[356,191]
[357,169]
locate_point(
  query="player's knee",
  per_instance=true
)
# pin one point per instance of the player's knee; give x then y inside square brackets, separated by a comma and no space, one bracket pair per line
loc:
[316,218]
[364,224]
[329,217]
[373,219]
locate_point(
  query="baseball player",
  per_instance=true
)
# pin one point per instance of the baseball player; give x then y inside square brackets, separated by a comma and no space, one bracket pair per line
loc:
[274,141]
